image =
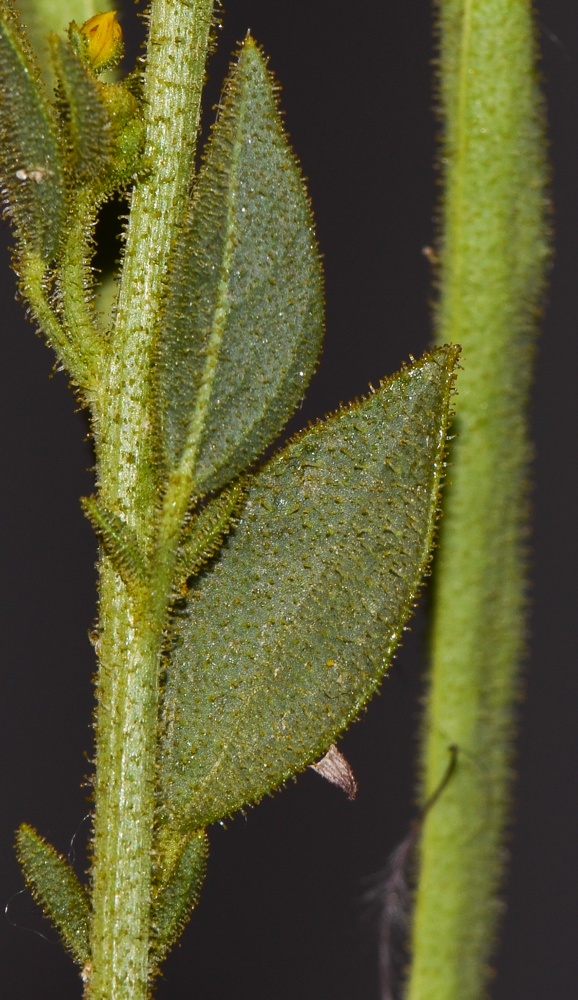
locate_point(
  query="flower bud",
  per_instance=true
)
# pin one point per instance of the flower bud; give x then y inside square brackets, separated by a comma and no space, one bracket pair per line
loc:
[104,45]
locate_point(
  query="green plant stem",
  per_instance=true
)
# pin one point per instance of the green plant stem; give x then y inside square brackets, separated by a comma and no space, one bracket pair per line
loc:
[176,56]
[131,627]
[493,251]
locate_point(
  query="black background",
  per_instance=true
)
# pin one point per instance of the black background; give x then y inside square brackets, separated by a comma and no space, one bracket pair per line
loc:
[282,912]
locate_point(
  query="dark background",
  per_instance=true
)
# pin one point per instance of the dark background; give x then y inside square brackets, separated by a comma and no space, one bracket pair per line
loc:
[282,912]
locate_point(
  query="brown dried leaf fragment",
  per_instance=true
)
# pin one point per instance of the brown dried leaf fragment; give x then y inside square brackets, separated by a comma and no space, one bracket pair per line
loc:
[336,769]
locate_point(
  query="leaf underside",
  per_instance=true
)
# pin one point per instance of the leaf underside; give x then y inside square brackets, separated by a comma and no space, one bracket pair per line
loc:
[56,887]
[30,165]
[288,633]
[243,314]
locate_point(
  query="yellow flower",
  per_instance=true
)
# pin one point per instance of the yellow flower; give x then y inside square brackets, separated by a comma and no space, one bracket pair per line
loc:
[104,44]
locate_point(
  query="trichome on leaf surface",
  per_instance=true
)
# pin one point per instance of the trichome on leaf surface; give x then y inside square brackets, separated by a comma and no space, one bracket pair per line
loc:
[247,612]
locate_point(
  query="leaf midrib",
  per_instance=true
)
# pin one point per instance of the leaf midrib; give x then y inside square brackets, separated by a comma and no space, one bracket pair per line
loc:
[199,417]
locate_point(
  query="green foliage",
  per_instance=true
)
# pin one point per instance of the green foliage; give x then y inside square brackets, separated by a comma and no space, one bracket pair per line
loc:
[301,574]
[289,632]
[123,103]
[57,888]
[119,541]
[102,127]
[205,532]
[243,314]
[30,161]
[177,894]
[86,116]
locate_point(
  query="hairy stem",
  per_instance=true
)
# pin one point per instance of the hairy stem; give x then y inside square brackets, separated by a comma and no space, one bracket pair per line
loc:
[176,56]
[131,629]
[494,245]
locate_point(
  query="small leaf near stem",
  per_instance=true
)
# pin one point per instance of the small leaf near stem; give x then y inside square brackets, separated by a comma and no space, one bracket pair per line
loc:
[86,117]
[56,887]
[204,533]
[176,894]
[120,544]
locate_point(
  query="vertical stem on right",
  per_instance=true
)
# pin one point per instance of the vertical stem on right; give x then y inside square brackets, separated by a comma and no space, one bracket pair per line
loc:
[492,260]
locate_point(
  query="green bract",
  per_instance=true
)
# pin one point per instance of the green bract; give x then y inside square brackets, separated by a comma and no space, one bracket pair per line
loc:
[204,533]
[57,888]
[86,118]
[30,160]
[176,894]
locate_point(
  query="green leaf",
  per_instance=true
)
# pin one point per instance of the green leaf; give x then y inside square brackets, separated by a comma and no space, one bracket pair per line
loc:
[87,119]
[289,631]
[57,889]
[30,166]
[175,898]
[206,531]
[243,317]
[119,541]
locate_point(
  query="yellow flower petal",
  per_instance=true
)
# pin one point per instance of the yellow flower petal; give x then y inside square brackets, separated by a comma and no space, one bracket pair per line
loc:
[104,39]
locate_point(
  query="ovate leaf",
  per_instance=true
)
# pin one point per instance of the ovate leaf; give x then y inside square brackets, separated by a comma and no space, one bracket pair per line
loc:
[243,316]
[87,119]
[30,165]
[57,889]
[176,896]
[289,631]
